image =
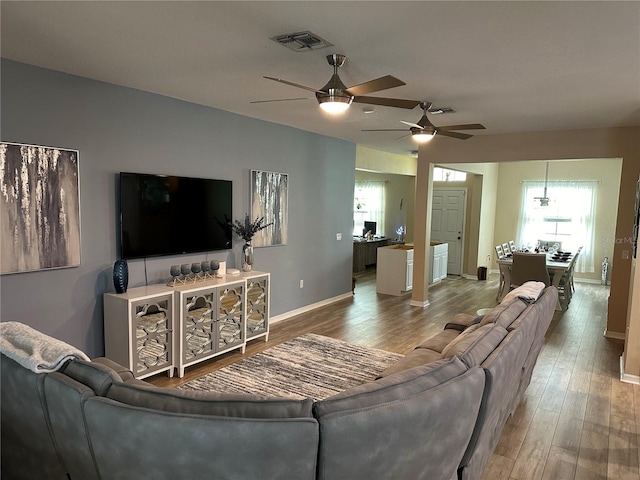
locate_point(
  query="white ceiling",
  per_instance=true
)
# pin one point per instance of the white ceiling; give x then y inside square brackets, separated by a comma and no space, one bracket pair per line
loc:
[513,66]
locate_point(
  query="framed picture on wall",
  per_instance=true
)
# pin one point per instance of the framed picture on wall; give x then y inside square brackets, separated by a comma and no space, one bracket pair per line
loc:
[269,199]
[39,208]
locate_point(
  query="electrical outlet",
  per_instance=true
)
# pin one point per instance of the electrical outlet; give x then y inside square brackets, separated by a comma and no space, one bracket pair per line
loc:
[301,283]
[338,236]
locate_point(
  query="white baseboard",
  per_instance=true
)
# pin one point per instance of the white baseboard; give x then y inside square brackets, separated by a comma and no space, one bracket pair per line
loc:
[308,308]
[587,280]
[614,335]
[625,377]
[416,303]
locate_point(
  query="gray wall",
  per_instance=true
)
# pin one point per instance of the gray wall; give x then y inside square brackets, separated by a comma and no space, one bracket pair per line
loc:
[119,129]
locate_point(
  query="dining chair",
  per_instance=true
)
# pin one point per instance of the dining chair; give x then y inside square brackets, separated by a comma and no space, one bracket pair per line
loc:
[566,288]
[512,245]
[505,247]
[499,251]
[528,267]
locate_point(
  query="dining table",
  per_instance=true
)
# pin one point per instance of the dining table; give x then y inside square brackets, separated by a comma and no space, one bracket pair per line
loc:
[557,266]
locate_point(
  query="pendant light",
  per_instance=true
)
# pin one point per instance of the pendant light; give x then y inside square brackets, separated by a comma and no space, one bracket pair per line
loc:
[544,200]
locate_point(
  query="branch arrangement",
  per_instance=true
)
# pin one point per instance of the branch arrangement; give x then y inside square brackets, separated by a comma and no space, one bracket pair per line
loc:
[248,229]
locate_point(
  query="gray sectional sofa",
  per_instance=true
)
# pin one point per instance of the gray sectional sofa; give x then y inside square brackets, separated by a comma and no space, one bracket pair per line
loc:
[436,414]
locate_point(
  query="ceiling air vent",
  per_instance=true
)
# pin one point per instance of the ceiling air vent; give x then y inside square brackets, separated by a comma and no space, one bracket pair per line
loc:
[302,41]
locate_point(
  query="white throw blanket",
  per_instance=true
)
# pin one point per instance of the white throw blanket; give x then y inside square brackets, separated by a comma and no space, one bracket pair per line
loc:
[35,350]
[527,292]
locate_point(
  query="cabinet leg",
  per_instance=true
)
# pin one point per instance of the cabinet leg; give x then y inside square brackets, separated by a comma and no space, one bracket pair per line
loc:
[181,372]
[170,372]
[266,337]
[244,348]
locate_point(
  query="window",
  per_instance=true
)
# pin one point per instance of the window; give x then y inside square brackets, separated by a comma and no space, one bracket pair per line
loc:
[368,205]
[568,219]
[446,175]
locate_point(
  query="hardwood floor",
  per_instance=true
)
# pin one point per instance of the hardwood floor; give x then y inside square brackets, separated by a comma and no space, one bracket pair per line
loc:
[577,420]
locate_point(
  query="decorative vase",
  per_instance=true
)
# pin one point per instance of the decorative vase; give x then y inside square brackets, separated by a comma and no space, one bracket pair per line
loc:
[247,257]
[120,275]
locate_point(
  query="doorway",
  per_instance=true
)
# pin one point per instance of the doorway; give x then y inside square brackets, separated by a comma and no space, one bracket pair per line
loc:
[447,224]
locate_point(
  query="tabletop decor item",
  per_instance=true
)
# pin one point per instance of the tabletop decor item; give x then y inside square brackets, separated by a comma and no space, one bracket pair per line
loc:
[120,276]
[246,230]
[174,270]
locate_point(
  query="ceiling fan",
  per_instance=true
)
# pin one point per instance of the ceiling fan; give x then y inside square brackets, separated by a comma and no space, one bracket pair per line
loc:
[424,130]
[335,97]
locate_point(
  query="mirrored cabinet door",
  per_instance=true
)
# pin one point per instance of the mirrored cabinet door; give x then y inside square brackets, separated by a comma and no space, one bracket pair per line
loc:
[199,337]
[257,307]
[152,330]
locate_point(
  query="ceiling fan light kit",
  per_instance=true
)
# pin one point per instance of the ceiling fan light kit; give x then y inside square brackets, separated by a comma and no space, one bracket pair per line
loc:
[422,136]
[424,130]
[334,104]
[335,97]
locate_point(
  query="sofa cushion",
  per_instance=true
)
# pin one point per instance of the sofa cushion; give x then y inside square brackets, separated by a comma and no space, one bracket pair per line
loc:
[392,387]
[505,313]
[529,292]
[439,341]
[475,344]
[29,450]
[415,358]
[208,403]
[461,342]
[94,375]
[140,443]
[401,426]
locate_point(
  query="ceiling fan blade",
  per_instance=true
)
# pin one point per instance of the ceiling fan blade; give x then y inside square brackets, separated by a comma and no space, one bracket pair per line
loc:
[388,102]
[410,124]
[376,85]
[386,130]
[286,82]
[461,136]
[280,100]
[468,126]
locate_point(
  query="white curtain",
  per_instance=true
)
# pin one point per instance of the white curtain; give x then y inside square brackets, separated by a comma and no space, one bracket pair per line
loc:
[569,218]
[368,205]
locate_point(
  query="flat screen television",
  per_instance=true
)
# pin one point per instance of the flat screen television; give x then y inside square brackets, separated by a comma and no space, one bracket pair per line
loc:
[171,215]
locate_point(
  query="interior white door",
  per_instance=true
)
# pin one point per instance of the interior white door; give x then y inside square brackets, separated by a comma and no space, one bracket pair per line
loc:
[447,224]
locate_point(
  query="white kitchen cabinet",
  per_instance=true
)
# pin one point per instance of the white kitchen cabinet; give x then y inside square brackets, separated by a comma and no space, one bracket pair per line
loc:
[438,258]
[394,271]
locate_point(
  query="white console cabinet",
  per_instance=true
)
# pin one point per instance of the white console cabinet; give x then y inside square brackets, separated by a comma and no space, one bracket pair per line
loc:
[159,328]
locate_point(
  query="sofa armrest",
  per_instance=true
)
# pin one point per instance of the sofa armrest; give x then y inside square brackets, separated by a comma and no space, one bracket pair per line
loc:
[124,373]
[462,321]
[454,326]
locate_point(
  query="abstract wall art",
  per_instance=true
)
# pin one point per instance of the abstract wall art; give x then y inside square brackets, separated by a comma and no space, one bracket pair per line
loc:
[39,208]
[269,199]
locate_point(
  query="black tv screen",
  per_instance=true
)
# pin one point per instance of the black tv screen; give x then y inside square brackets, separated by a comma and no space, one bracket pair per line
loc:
[170,215]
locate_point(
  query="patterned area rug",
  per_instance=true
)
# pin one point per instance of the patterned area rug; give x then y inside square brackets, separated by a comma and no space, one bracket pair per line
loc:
[308,366]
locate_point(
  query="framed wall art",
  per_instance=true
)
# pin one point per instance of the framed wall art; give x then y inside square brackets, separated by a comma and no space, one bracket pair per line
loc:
[269,199]
[39,208]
